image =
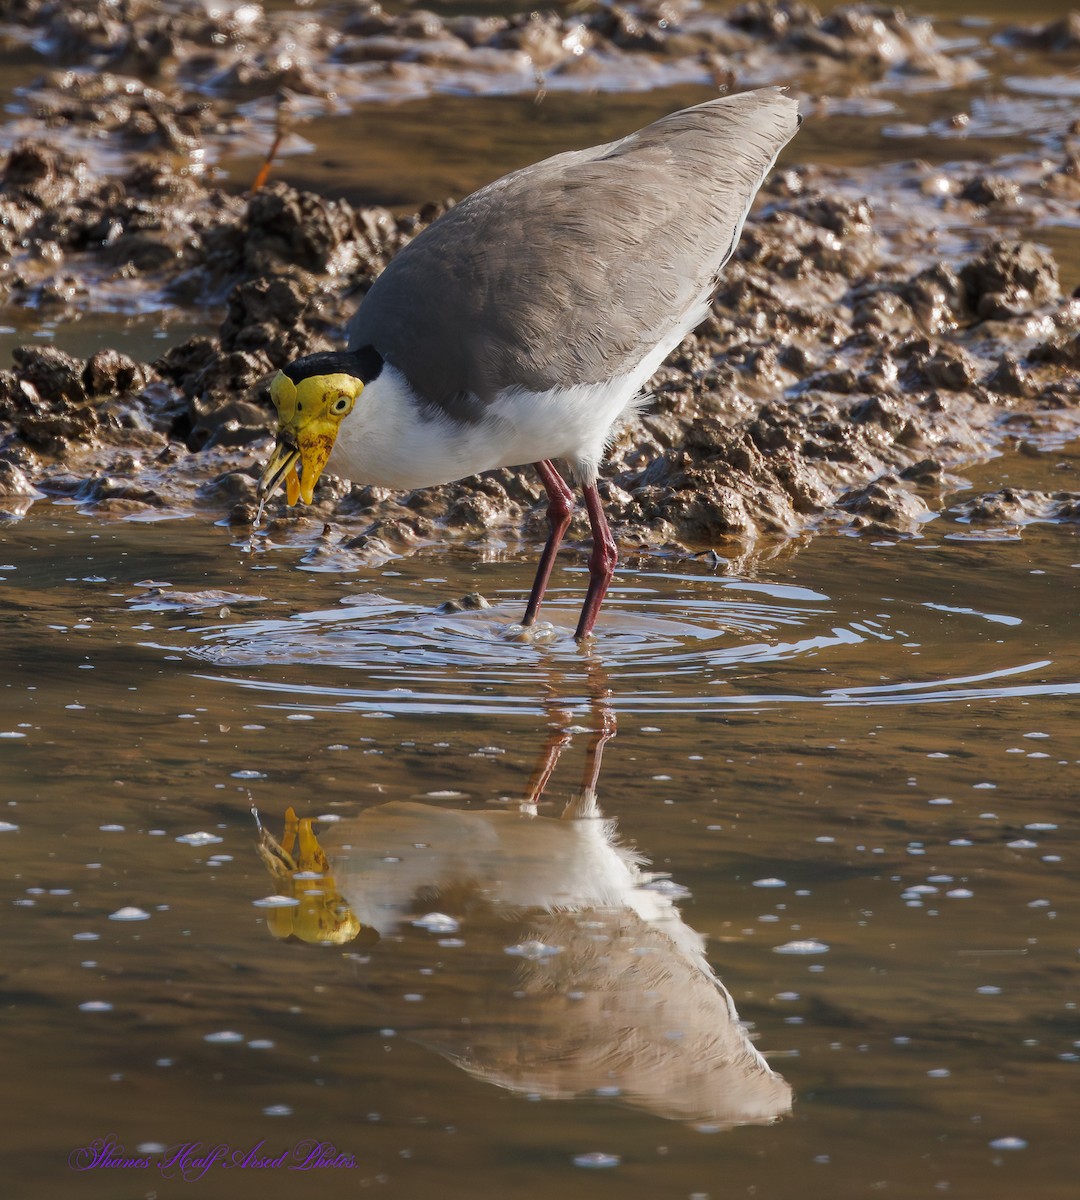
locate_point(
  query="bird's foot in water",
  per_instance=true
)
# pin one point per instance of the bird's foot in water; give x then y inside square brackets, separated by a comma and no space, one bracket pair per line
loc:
[539,634]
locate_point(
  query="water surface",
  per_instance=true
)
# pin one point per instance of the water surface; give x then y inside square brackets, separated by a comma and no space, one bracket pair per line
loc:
[853,767]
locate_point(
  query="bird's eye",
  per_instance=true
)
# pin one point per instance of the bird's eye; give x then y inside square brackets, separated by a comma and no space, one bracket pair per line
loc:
[340,405]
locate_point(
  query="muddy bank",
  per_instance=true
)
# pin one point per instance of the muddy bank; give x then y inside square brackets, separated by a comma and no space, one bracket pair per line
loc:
[876,331]
[845,376]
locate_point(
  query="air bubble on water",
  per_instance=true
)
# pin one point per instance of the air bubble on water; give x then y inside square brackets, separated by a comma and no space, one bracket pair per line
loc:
[276,902]
[667,887]
[802,946]
[1008,1143]
[224,1037]
[435,922]
[129,913]
[533,950]
[202,838]
[596,1160]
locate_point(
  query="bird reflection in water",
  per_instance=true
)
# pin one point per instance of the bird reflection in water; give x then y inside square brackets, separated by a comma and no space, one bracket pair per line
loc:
[570,976]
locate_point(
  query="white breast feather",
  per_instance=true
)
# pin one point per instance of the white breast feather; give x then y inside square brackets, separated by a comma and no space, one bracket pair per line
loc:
[390,440]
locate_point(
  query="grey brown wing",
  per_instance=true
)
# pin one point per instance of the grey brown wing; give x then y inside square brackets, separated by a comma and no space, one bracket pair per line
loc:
[572,270]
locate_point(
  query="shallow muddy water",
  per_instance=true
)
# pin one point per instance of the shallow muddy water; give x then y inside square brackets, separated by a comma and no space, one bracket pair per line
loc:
[853,768]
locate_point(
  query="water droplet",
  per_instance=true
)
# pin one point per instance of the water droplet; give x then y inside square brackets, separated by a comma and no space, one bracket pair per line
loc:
[1008,1143]
[224,1037]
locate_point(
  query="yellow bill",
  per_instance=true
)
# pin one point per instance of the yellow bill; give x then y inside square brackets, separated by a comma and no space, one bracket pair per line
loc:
[309,416]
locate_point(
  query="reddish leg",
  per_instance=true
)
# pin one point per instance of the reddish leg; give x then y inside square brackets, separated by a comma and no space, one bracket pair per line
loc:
[560,509]
[601,562]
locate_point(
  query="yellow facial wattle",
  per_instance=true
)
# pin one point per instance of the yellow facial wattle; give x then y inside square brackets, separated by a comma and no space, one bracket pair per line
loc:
[309,416]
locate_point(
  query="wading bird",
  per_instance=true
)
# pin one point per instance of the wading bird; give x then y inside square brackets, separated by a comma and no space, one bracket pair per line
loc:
[521,325]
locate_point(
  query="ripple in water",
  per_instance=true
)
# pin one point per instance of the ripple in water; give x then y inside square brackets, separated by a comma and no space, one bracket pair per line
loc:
[683,644]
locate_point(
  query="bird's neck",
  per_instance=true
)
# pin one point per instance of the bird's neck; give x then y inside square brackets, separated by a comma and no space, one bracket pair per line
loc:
[392,439]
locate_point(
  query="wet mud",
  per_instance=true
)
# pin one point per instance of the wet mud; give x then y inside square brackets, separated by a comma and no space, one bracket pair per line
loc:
[877,331]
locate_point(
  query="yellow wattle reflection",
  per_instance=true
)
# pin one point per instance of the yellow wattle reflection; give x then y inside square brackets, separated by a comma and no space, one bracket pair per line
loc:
[322,915]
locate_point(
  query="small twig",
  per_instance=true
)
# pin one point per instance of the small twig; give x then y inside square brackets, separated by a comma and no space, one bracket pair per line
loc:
[282,126]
